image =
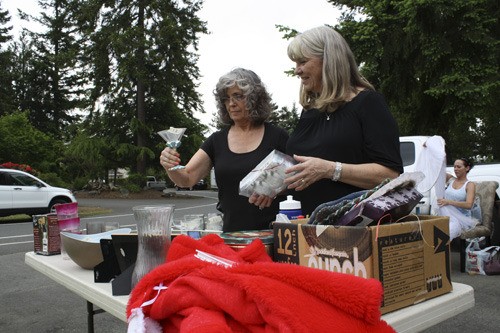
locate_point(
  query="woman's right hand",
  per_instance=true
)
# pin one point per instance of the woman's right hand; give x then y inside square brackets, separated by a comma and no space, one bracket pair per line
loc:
[169,158]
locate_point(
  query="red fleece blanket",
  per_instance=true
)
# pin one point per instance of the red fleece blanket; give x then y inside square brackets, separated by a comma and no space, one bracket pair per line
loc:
[255,295]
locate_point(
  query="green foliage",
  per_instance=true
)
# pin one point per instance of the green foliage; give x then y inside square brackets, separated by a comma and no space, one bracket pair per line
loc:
[53,179]
[285,118]
[143,73]
[50,84]
[129,68]
[7,104]
[21,143]
[436,62]
[79,183]
[84,156]
[135,179]
[133,188]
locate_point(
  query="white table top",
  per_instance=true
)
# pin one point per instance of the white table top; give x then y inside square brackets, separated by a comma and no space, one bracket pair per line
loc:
[80,281]
[414,318]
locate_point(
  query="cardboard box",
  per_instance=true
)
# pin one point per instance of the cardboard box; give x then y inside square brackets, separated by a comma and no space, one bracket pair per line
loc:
[46,238]
[411,259]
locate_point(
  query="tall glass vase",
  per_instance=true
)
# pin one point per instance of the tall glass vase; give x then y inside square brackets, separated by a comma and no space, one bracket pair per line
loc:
[153,229]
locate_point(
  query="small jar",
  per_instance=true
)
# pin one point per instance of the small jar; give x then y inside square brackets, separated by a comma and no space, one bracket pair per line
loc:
[238,240]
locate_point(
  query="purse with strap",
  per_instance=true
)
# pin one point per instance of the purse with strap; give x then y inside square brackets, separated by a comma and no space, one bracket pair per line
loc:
[492,262]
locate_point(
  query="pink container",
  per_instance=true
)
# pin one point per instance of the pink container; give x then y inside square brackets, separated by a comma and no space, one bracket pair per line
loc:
[67,211]
[72,224]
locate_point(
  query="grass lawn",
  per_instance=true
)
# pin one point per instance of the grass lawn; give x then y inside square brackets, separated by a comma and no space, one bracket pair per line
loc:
[82,212]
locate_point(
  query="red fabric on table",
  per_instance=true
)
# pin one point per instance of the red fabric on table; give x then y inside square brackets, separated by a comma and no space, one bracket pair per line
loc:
[256,295]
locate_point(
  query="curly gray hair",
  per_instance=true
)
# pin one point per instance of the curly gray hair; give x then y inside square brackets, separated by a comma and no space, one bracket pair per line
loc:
[258,100]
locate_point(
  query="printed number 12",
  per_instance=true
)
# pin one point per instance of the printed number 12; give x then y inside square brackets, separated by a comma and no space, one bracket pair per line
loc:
[287,235]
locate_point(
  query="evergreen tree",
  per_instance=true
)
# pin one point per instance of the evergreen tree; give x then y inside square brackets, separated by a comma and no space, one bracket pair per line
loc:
[144,71]
[437,63]
[50,81]
[285,118]
[6,89]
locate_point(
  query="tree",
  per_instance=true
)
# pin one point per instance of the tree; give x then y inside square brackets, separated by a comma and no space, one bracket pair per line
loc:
[436,62]
[7,104]
[24,144]
[51,83]
[285,118]
[144,70]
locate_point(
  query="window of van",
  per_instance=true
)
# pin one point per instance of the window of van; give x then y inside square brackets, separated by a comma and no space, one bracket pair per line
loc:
[407,153]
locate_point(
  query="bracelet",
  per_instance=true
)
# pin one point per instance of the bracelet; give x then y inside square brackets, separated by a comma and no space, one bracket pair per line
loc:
[337,172]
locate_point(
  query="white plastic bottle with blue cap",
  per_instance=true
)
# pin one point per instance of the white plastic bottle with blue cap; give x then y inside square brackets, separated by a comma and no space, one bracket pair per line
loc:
[291,208]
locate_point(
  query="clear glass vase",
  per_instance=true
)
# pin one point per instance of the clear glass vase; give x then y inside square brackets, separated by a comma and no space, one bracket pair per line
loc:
[153,229]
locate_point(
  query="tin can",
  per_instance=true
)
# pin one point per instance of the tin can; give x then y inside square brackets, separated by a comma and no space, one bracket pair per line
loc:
[238,240]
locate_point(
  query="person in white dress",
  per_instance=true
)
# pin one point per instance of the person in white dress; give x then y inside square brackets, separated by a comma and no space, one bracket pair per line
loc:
[459,199]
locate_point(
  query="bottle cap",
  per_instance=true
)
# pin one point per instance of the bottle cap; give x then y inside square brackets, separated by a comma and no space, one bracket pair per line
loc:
[289,203]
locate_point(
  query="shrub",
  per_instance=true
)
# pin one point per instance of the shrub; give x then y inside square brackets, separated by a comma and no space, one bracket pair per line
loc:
[132,188]
[136,179]
[79,183]
[22,167]
[53,179]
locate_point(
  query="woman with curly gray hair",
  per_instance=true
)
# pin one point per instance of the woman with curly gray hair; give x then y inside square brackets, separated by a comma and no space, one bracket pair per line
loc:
[244,106]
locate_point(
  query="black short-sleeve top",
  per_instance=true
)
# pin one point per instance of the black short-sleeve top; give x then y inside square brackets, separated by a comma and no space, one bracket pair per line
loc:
[361,131]
[230,168]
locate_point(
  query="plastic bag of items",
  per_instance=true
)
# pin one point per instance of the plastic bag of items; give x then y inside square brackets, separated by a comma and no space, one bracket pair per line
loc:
[481,261]
[267,178]
[388,202]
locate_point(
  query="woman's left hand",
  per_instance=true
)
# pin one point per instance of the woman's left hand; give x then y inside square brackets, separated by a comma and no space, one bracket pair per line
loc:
[442,202]
[261,201]
[308,171]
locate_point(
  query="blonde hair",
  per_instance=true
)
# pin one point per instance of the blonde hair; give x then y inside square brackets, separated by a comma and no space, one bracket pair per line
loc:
[340,74]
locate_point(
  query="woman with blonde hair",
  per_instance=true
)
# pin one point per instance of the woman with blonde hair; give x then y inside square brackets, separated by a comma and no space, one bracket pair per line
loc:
[346,140]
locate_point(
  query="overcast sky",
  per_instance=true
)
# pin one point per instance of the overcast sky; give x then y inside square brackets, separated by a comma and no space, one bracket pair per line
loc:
[243,34]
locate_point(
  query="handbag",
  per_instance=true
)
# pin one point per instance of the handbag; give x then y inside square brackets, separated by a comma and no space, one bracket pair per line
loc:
[476,258]
[492,263]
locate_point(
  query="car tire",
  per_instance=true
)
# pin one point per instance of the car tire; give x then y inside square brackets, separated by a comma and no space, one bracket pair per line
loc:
[55,202]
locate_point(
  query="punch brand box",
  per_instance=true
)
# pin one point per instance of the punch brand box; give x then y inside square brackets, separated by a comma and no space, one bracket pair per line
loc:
[46,238]
[411,259]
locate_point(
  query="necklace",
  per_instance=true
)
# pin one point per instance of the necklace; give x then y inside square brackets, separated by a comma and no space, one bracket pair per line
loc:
[328,116]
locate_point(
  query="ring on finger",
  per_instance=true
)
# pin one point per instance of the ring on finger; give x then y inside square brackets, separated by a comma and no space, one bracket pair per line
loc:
[302,181]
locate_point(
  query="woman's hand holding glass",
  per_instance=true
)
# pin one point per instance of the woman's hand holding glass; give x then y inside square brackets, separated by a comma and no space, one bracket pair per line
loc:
[169,158]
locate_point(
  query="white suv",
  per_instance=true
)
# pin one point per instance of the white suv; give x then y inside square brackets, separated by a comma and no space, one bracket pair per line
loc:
[23,193]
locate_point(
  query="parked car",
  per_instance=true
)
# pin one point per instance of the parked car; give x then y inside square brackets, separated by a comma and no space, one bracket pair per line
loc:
[23,193]
[152,183]
[201,185]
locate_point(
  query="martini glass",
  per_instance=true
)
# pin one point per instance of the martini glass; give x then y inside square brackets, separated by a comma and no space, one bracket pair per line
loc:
[173,138]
